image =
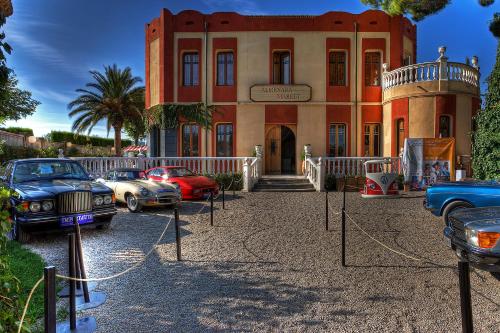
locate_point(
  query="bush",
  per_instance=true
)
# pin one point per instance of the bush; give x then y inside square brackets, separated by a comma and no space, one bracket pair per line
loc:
[233,181]
[61,136]
[330,182]
[19,130]
[8,153]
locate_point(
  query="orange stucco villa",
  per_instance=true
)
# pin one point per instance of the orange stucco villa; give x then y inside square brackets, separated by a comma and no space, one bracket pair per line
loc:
[347,84]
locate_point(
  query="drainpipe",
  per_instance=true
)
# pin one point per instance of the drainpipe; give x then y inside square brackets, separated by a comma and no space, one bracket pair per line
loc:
[356,87]
[206,87]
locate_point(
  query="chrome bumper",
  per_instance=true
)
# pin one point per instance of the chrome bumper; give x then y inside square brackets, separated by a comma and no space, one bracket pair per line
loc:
[30,220]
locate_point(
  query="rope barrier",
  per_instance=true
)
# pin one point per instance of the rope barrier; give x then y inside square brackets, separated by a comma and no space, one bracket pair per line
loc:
[126,270]
[379,242]
[28,300]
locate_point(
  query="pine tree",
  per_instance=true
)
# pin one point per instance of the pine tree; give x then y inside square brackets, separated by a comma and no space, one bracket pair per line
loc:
[486,139]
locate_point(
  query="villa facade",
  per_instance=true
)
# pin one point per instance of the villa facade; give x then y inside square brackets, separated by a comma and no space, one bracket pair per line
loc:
[347,84]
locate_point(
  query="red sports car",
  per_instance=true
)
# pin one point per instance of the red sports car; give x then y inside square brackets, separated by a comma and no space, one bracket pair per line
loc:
[192,185]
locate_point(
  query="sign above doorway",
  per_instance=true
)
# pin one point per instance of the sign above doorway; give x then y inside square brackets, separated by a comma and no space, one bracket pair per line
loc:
[280,93]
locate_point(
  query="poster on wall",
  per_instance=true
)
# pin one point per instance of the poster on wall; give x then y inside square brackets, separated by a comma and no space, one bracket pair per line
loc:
[428,161]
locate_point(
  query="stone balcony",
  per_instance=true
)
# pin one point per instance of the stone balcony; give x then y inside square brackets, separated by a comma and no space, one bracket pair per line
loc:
[431,78]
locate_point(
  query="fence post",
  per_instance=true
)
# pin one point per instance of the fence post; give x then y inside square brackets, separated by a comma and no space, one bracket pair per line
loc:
[321,175]
[343,223]
[246,175]
[72,284]
[49,276]
[177,234]
[465,297]
[212,208]
[326,210]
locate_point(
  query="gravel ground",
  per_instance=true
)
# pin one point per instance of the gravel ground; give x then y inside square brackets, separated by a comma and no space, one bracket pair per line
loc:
[269,265]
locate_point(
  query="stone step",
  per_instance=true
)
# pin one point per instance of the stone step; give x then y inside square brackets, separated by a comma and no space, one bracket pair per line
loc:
[283,190]
[283,185]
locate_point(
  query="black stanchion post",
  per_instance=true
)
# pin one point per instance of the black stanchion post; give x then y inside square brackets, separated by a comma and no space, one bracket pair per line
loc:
[49,277]
[223,198]
[212,208]
[177,234]
[343,223]
[465,297]
[72,283]
[80,263]
[326,210]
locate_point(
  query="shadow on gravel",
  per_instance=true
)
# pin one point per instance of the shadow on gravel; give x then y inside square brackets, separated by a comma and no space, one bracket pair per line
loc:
[235,296]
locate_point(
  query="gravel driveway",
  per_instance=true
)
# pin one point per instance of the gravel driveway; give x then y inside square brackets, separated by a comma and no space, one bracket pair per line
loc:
[269,265]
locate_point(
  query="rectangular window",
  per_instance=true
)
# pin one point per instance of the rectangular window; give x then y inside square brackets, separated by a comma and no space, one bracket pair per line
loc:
[224,144]
[372,139]
[337,139]
[190,140]
[444,126]
[400,134]
[372,68]
[190,69]
[281,67]
[337,68]
[225,71]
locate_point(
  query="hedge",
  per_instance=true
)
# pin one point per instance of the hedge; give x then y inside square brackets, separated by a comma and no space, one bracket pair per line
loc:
[61,136]
[19,130]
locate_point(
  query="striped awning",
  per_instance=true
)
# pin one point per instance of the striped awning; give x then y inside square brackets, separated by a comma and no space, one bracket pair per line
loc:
[135,149]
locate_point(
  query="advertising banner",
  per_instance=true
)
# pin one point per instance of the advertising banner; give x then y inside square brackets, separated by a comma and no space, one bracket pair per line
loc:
[427,161]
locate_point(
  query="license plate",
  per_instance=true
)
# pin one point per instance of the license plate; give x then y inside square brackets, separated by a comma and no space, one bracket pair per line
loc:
[67,221]
[447,241]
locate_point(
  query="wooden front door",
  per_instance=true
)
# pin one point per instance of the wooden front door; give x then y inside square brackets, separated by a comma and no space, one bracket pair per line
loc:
[273,150]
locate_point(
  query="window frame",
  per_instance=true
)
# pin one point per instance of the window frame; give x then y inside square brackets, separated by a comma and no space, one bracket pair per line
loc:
[226,77]
[450,125]
[192,64]
[379,69]
[369,136]
[198,145]
[281,67]
[346,61]
[336,124]
[216,132]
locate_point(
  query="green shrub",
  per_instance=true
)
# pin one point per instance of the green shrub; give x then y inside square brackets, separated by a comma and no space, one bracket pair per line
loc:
[19,130]
[61,136]
[231,182]
[330,182]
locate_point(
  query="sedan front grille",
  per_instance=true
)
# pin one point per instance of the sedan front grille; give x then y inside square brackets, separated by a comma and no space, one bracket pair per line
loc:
[74,202]
[458,228]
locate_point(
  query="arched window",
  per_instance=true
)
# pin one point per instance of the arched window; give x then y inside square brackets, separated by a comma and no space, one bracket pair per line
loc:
[445,126]
[400,134]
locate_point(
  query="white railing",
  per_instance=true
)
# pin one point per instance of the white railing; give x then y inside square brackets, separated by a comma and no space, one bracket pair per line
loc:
[251,172]
[315,172]
[431,71]
[98,166]
[354,166]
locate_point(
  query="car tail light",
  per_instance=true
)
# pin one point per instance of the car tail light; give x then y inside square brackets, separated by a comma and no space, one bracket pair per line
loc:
[487,240]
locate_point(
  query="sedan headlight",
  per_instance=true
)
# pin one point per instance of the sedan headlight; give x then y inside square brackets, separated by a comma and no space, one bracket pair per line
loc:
[47,205]
[35,207]
[481,239]
[108,199]
[98,200]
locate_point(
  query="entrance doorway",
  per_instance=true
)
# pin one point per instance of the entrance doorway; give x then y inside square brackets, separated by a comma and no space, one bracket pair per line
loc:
[280,150]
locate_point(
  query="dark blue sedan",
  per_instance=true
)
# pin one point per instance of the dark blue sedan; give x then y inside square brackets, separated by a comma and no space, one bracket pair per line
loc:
[443,198]
[50,194]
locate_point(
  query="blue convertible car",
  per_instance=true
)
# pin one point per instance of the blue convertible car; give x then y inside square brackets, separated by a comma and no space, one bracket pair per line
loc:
[51,194]
[443,198]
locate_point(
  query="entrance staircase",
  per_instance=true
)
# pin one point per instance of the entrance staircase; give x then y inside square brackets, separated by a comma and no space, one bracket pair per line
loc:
[283,184]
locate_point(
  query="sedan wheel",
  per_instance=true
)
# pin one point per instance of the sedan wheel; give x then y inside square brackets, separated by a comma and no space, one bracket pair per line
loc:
[133,204]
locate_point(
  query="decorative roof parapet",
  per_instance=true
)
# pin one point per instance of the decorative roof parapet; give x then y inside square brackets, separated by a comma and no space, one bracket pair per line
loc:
[6,7]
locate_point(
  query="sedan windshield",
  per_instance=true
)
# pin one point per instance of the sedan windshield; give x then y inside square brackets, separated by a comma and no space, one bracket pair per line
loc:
[30,171]
[130,175]
[179,172]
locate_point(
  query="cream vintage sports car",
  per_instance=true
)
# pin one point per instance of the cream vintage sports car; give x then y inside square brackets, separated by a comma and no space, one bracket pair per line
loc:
[133,188]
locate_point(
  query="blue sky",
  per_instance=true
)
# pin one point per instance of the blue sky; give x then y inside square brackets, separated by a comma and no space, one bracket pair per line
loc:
[56,42]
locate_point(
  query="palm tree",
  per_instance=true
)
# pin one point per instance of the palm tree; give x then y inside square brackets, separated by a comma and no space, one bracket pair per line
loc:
[113,96]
